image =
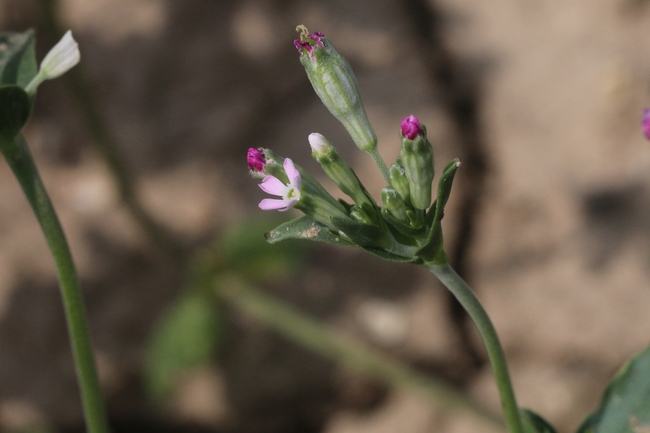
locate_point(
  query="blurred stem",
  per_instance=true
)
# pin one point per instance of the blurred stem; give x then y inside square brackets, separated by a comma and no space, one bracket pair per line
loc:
[22,164]
[381,164]
[320,339]
[472,305]
[104,142]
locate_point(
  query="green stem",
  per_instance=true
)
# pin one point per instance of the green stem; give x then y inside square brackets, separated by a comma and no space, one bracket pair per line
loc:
[318,338]
[22,164]
[381,164]
[472,305]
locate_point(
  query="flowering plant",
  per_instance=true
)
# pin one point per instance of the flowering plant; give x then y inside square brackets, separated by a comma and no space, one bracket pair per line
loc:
[407,228]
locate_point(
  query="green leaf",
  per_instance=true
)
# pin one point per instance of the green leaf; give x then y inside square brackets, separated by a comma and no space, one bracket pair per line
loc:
[185,340]
[17,58]
[625,407]
[14,111]
[534,423]
[433,251]
[308,229]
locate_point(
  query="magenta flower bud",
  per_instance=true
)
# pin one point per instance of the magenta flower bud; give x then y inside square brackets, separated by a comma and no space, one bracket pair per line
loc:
[411,127]
[645,123]
[256,160]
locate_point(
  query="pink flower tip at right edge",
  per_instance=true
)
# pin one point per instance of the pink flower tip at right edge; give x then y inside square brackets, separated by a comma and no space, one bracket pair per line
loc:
[645,123]
[411,127]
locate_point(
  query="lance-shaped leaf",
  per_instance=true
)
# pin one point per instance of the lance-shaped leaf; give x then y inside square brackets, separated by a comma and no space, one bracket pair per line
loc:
[625,407]
[17,58]
[308,229]
[432,251]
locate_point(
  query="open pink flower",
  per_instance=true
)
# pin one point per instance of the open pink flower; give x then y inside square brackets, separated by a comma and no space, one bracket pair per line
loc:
[290,193]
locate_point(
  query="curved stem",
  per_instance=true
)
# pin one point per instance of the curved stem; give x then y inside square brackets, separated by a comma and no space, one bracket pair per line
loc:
[22,164]
[472,305]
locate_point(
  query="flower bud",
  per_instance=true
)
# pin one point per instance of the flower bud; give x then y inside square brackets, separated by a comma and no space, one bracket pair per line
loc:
[417,158]
[399,181]
[256,162]
[335,84]
[339,171]
[61,58]
[394,204]
[645,123]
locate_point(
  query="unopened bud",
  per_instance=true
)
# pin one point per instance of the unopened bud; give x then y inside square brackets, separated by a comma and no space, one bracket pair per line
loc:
[645,123]
[398,180]
[339,171]
[394,204]
[61,58]
[417,158]
[336,86]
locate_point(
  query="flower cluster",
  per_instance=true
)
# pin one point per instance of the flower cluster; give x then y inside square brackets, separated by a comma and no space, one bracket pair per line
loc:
[407,227]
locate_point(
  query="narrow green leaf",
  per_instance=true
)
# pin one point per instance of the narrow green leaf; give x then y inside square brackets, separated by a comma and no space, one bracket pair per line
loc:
[14,111]
[17,58]
[625,407]
[534,423]
[185,340]
[305,228]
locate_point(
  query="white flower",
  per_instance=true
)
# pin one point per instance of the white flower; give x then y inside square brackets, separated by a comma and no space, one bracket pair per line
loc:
[61,58]
[290,193]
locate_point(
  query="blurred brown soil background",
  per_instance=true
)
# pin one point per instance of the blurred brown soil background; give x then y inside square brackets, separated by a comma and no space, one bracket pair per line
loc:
[549,220]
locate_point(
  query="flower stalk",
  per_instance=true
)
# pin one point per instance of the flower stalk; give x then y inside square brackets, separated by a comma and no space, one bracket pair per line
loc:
[464,294]
[20,159]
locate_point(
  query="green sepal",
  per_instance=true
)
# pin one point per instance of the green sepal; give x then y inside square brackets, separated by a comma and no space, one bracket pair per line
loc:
[306,228]
[14,112]
[625,407]
[534,423]
[432,251]
[17,58]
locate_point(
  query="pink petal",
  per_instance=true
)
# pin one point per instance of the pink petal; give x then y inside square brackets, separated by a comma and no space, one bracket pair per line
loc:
[272,204]
[292,174]
[273,185]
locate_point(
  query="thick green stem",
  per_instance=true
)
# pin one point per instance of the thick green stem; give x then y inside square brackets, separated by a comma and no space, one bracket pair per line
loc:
[318,338]
[472,305]
[22,164]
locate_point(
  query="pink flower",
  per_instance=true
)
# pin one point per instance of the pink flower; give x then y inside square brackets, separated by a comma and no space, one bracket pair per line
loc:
[290,193]
[411,127]
[255,159]
[645,122]
[307,41]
